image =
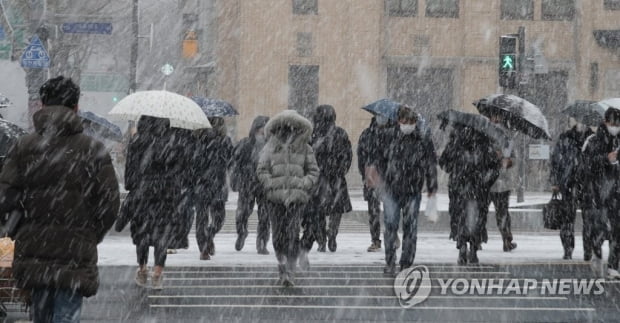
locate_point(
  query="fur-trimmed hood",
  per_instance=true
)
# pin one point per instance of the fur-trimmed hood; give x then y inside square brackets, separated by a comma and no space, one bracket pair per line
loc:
[292,119]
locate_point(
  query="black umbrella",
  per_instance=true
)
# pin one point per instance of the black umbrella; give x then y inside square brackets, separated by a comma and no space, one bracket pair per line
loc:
[516,114]
[586,112]
[214,107]
[9,132]
[477,122]
[99,127]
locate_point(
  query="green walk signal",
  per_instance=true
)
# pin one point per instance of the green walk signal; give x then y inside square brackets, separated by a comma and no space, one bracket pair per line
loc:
[508,63]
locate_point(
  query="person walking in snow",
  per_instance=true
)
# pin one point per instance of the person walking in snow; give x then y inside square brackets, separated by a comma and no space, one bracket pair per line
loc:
[243,179]
[288,172]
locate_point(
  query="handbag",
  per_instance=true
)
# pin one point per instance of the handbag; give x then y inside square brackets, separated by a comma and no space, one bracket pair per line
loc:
[555,212]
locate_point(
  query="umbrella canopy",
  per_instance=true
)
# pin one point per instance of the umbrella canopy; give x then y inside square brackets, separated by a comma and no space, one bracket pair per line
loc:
[9,132]
[98,126]
[215,107]
[613,103]
[586,112]
[384,107]
[182,111]
[476,122]
[518,114]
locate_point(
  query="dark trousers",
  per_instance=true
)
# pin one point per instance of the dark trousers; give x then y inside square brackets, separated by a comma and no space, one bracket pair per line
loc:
[614,242]
[56,305]
[374,216]
[567,229]
[159,251]
[285,226]
[500,200]
[209,220]
[392,214]
[245,206]
[317,229]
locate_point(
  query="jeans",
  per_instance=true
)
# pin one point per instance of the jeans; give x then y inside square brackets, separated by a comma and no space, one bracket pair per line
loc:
[392,213]
[51,305]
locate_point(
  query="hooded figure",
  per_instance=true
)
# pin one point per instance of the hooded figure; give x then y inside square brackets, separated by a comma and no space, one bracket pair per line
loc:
[333,153]
[64,183]
[473,165]
[601,161]
[212,153]
[288,172]
[567,178]
[154,179]
[243,179]
[368,146]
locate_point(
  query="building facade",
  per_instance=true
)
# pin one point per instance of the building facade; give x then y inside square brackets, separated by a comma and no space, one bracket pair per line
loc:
[430,54]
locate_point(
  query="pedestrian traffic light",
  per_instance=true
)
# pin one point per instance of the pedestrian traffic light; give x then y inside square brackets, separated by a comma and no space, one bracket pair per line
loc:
[508,61]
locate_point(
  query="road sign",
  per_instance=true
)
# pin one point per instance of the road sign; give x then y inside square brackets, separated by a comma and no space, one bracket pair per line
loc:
[103,28]
[35,55]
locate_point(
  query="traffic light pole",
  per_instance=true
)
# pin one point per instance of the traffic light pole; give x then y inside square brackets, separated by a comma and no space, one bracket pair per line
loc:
[133,59]
[520,93]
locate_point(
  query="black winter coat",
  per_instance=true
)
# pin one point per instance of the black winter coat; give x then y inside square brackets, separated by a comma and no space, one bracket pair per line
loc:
[212,153]
[406,162]
[154,177]
[473,165]
[602,174]
[333,153]
[369,146]
[567,165]
[70,194]
[244,160]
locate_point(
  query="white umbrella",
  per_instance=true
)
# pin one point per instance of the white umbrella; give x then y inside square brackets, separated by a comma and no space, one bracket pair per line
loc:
[183,112]
[613,103]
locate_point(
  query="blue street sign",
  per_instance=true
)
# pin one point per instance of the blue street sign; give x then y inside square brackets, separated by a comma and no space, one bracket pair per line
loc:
[35,55]
[103,28]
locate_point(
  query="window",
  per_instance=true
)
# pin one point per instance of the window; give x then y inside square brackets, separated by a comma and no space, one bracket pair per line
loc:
[558,9]
[442,8]
[517,9]
[303,82]
[402,8]
[305,7]
[612,4]
[304,44]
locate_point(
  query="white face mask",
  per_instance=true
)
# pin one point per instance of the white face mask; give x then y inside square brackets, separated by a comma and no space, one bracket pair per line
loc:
[581,127]
[407,128]
[614,131]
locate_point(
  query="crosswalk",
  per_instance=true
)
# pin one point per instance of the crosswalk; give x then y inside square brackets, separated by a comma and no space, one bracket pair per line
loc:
[347,292]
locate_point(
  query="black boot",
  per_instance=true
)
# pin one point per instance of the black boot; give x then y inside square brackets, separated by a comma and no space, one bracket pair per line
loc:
[568,254]
[473,257]
[509,245]
[389,270]
[331,244]
[240,241]
[462,260]
[261,247]
[282,273]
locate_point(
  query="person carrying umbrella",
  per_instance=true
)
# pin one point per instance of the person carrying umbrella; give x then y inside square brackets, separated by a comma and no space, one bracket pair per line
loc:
[368,145]
[567,179]
[212,152]
[601,159]
[243,179]
[473,164]
[288,172]
[406,162]
[333,153]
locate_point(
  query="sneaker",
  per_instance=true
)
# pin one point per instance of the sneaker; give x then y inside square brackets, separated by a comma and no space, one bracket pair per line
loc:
[142,277]
[374,247]
[287,280]
[332,245]
[613,273]
[321,248]
[205,256]
[397,242]
[462,260]
[157,282]
[262,251]
[509,246]
[171,251]
[472,255]
[587,255]
[389,270]
[568,254]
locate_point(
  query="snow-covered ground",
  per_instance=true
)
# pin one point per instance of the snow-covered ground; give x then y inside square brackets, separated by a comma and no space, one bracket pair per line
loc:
[431,248]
